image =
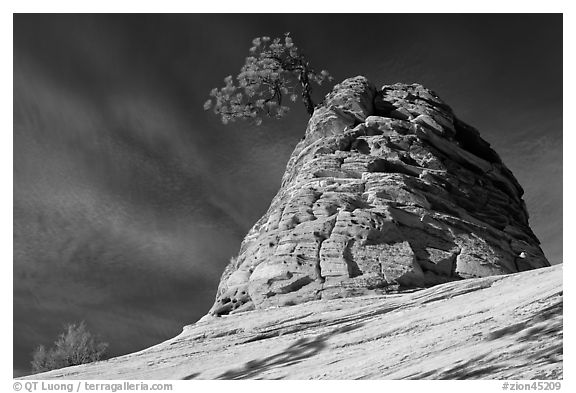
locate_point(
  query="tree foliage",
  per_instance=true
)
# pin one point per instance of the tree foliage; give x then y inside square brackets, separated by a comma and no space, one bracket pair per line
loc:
[76,345]
[275,69]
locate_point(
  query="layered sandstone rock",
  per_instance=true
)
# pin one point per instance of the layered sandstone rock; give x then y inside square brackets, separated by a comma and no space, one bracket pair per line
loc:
[387,191]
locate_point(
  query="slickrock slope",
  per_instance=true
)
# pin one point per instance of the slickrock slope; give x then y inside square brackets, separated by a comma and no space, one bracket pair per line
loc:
[388,190]
[499,327]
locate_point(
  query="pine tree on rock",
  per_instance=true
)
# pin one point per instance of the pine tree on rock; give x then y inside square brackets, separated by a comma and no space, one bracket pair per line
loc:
[274,70]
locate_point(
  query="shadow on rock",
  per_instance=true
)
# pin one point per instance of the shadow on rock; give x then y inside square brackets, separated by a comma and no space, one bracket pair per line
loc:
[538,343]
[300,350]
[546,323]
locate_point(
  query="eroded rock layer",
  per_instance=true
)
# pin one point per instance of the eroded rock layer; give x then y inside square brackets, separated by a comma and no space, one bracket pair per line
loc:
[388,190]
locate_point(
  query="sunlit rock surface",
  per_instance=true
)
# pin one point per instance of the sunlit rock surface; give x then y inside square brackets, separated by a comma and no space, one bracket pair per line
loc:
[387,191]
[499,327]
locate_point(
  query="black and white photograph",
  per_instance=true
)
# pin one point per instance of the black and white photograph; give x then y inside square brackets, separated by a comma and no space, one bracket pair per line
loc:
[287,196]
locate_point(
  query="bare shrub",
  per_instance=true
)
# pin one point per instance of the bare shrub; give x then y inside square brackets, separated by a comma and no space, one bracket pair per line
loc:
[76,345]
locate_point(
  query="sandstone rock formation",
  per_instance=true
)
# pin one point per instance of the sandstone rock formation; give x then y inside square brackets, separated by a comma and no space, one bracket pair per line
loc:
[500,327]
[388,190]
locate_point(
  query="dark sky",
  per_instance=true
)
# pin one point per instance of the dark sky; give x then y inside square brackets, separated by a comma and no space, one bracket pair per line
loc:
[129,199]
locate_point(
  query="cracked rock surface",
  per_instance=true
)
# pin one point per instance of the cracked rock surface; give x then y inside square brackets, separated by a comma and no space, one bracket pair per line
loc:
[387,191]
